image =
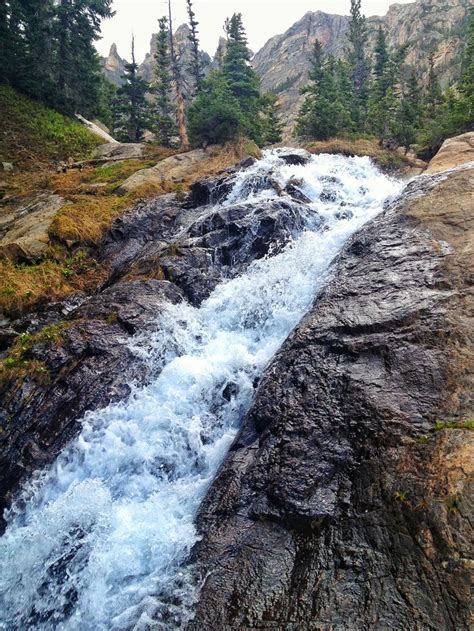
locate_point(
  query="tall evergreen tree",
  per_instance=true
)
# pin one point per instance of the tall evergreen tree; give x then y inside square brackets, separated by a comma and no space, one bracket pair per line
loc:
[384,90]
[466,83]
[76,64]
[408,116]
[178,86]
[215,116]
[455,114]
[164,110]
[230,104]
[359,63]
[47,50]
[272,127]
[381,62]
[433,94]
[239,75]
[131,109]
[195,65]
[324,112]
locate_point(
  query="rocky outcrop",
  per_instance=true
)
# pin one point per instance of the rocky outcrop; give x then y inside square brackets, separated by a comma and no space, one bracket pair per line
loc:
[453,152]
[421,26]
[113,66]
[77,355]
[172,169]
[24,231]
[346,499]
[182,168]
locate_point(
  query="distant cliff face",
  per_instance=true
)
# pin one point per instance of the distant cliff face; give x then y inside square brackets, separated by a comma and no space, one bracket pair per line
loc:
[424,26]
[113,66]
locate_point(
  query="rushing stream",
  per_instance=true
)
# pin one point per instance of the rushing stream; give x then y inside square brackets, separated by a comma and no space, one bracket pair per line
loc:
[97,540]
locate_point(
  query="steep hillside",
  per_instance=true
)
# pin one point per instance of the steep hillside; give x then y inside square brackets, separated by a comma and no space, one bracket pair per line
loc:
[34,135]
[424,26]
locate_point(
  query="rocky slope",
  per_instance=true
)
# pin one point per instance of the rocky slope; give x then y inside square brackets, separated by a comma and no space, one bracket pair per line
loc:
[75,355]
[423,26]
[346,499]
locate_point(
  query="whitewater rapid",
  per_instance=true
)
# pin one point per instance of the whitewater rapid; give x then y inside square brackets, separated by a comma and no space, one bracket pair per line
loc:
[98,540]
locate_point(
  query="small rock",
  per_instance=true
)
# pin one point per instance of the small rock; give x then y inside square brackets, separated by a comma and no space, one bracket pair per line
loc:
[7,167]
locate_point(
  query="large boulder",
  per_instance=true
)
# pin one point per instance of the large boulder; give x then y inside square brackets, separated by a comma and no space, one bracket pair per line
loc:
[173,169]
[196,247]
[120,151]
[346,499]
[453,152]
[24,232]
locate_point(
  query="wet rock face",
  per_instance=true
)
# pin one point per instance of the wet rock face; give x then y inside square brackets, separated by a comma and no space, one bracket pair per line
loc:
[198,243]
[344,502]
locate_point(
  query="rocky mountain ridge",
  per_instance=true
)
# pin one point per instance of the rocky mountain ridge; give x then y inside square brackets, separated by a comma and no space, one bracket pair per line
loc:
[423,26]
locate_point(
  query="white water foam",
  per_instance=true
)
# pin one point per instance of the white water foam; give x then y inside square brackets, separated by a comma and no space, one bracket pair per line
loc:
[93,540]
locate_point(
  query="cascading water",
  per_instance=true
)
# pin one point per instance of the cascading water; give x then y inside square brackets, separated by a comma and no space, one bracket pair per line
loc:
[95,541]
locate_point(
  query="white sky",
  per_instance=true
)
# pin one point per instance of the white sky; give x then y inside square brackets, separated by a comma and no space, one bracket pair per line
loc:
[262,19]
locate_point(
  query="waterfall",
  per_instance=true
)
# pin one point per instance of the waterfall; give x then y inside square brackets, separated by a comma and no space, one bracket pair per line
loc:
[98,540]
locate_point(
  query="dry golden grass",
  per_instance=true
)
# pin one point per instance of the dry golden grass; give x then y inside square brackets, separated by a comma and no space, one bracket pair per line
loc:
[83,223]
[86,219]
[359,147]
[25,287]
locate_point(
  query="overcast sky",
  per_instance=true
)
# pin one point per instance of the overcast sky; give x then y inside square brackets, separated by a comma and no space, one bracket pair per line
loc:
[262,19]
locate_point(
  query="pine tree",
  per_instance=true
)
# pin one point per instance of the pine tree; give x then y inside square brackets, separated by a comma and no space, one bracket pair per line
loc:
[466,83]
[324,112]
[433,94]
[271,124]
[178,86]
[164,111]
[76,69]
[215,115]
[195,66]
[384,92]
[455,114]
[229,104]
[408,117]
[359,63]
[381,83]
[240,77]
[131,109]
